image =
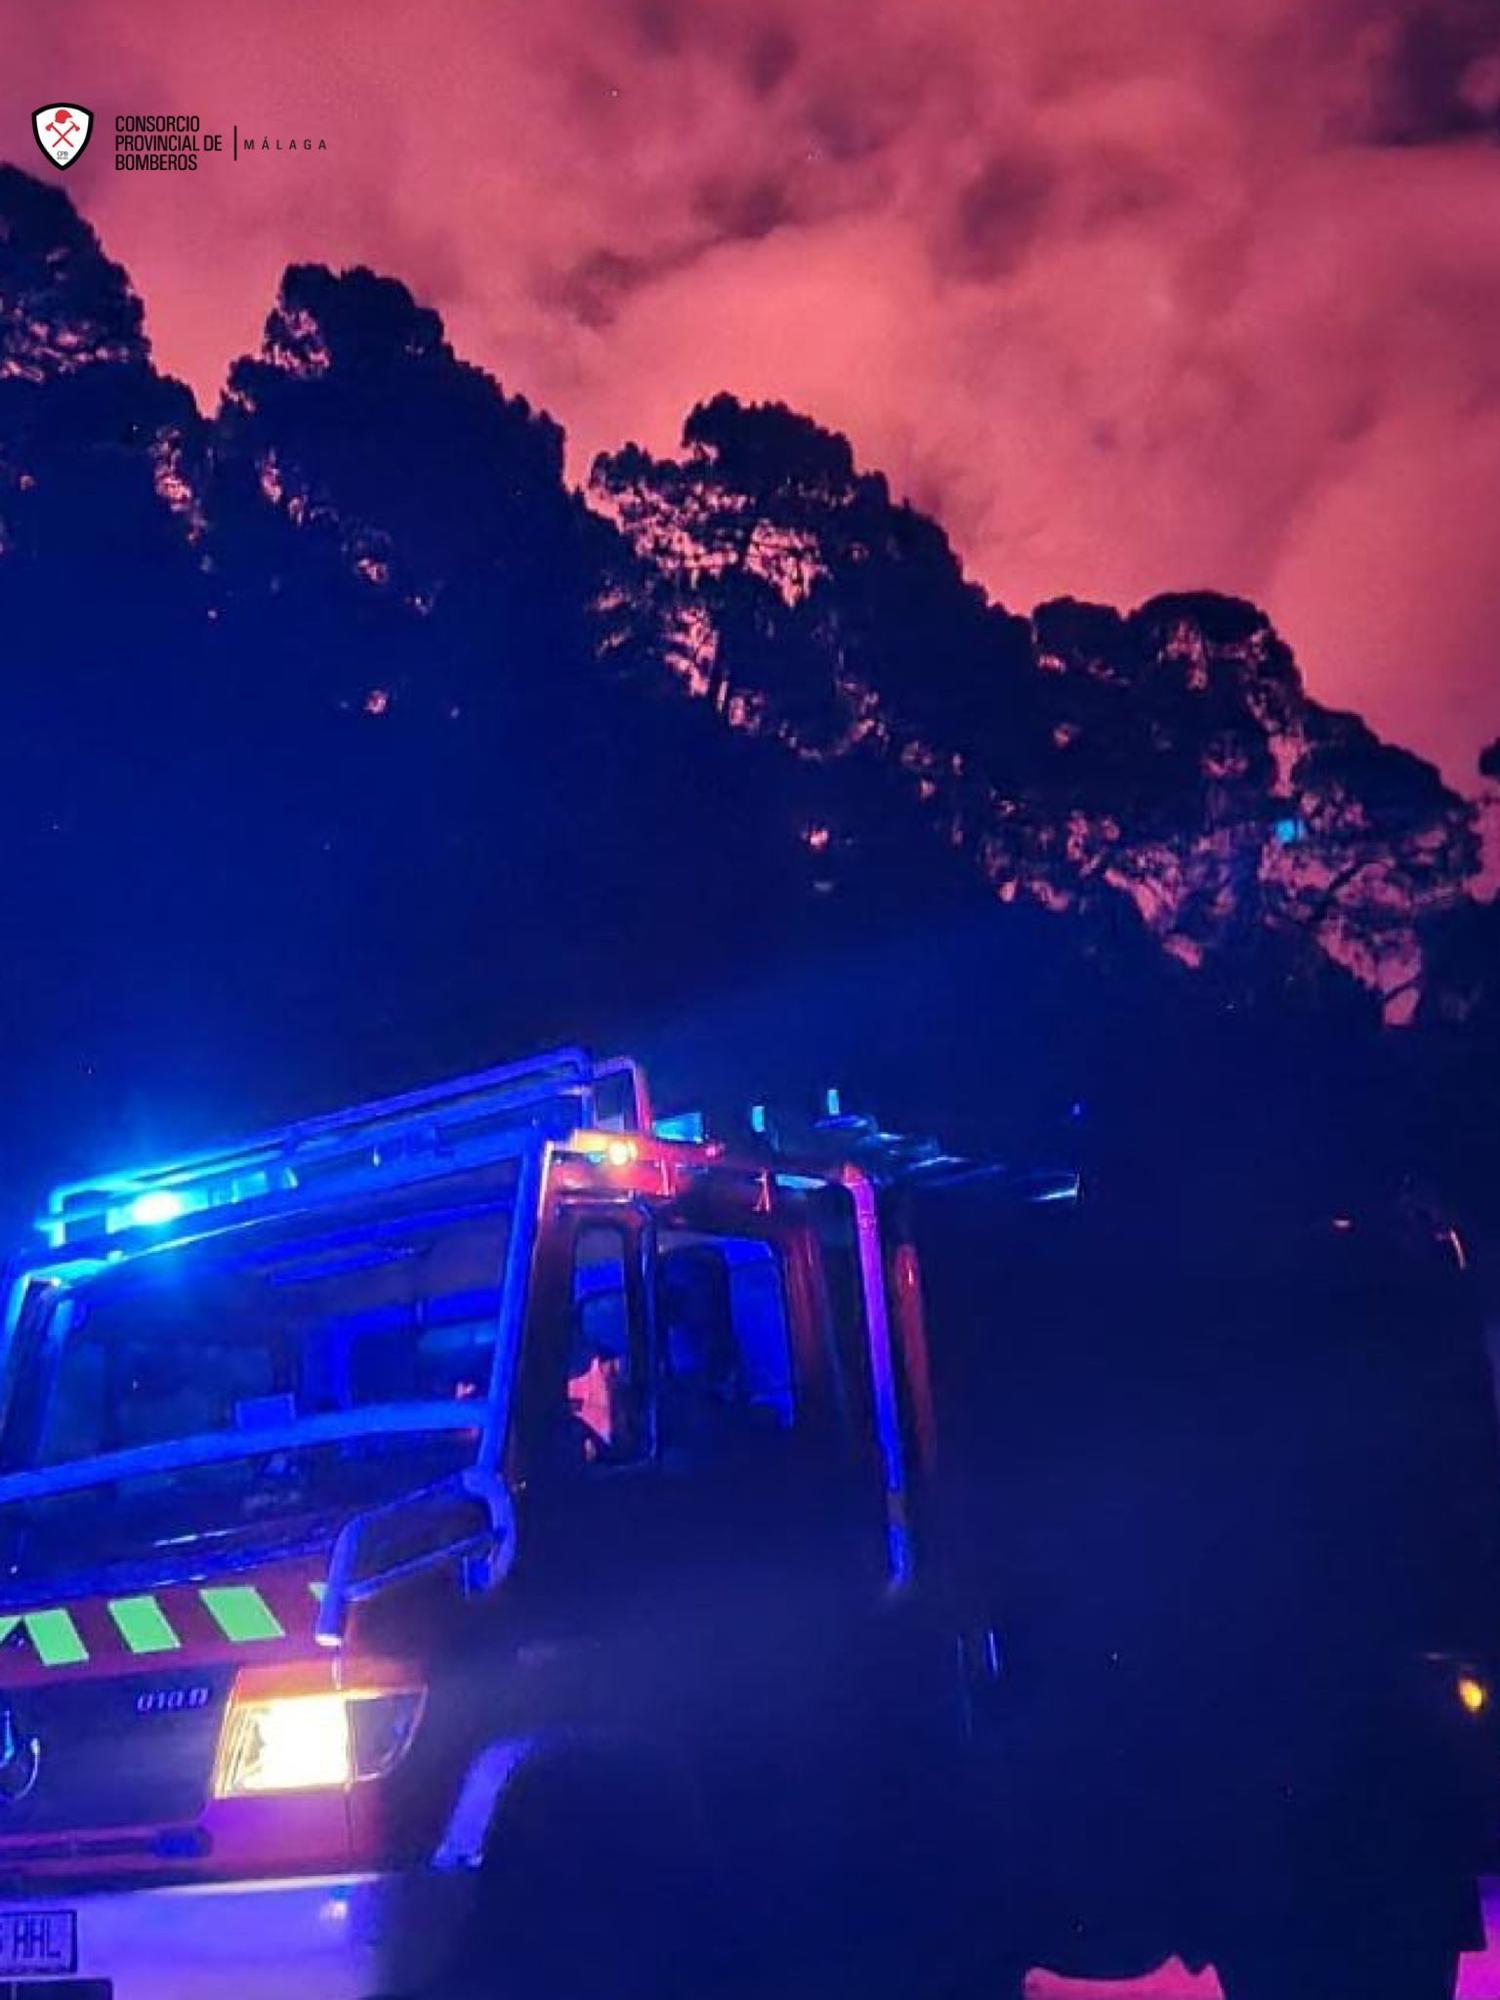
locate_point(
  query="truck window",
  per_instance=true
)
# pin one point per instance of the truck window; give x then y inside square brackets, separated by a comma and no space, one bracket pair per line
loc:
[725,1337]
[720,1366]
[607,1379]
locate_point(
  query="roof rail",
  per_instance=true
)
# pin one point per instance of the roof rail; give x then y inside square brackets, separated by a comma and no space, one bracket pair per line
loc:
[487,1112]
[900,1159]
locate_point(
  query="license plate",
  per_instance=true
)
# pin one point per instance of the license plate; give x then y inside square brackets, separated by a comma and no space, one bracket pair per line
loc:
[38,1941]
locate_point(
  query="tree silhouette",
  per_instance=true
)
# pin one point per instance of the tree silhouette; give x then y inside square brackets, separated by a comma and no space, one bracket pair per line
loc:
[1376,846]
[104,617]
[1172,758]
[358,464]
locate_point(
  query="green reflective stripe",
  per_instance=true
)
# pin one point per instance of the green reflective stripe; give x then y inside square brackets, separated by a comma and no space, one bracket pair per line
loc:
[319,1590]
[56,1638]
[241,1613]
[143,1625]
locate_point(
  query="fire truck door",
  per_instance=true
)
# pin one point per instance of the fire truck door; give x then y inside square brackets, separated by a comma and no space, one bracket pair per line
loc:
[698,1529]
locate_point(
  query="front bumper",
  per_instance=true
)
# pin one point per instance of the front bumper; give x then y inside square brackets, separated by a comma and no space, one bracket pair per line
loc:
[337,1937]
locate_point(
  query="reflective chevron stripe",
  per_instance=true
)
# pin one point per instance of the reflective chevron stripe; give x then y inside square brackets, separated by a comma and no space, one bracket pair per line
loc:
[143,1625]
[239,1611]
[57,1640]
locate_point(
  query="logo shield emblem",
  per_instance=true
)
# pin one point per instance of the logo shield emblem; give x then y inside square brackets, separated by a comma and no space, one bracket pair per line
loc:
[62,131]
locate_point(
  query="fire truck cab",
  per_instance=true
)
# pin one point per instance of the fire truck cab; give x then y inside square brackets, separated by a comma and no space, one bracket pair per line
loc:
[458,1545]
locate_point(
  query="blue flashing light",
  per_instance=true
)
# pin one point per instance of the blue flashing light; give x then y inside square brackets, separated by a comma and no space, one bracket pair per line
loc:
[494,1115]
[833,1104]
[758,1119]
[688,1126]
[157,1207]
[1289,830]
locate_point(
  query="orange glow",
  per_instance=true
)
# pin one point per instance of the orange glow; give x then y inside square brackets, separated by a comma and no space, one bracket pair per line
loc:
[1473,1694]
[873,185]
[612,1147]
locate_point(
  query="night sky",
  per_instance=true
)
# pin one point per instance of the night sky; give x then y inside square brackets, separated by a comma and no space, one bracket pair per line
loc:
[1134,294]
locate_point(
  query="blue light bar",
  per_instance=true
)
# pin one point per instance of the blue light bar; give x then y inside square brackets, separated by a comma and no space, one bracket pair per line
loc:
[442,1127]
[157,1207]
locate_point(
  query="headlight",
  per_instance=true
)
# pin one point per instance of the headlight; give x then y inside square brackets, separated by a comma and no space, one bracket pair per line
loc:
[321,1741]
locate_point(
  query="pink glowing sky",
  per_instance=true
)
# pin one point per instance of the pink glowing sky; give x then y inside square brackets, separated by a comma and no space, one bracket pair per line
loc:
[1134,294]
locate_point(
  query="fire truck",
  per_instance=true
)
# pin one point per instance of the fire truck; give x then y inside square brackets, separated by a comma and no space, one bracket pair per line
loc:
[435,1534]
[495,1541]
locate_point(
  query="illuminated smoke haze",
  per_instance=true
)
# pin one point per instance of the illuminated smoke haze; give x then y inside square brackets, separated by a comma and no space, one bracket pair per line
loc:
[1134,294]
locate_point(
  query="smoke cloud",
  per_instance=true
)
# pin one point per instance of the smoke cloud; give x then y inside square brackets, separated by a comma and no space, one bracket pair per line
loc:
[1134,294]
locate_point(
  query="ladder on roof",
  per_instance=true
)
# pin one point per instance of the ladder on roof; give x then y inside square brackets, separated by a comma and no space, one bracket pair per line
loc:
[487,1114]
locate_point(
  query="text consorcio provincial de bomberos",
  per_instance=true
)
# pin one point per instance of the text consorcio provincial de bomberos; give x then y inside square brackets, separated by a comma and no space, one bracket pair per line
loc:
[157,142]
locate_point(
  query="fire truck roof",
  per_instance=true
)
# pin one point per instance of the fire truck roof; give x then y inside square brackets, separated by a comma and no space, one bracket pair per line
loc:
[492,1114]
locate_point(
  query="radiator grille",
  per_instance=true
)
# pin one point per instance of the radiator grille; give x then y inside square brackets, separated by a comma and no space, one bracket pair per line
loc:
[137,1751]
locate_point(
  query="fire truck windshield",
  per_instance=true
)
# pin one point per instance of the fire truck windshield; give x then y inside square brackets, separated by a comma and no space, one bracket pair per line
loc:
[264,1332]
[278,1501]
